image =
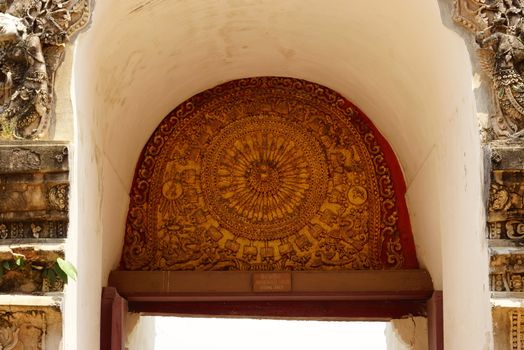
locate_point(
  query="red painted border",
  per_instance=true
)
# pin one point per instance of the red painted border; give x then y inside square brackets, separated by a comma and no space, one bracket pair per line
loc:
[399,185]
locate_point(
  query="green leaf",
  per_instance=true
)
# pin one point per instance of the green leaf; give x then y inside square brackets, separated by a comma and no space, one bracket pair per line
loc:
[61,274]
[6,265]
[501,92]
[19,261]
[51,277]
[67,268]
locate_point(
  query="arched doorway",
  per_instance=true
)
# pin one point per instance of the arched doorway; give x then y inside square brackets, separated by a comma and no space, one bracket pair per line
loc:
[271,197]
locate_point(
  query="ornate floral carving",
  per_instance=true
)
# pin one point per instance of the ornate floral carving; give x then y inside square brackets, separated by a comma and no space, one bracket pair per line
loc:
[32,38]
[263,177]
[58,197]
[265,174]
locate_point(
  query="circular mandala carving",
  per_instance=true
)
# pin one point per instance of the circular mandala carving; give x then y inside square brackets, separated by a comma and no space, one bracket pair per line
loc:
[264,177]
[264,174]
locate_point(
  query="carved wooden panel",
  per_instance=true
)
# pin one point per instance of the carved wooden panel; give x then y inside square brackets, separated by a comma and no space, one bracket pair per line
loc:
[267,174]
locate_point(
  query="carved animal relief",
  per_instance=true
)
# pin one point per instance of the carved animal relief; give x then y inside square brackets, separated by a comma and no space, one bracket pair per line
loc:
[498,26]
[32,38]
[266,174]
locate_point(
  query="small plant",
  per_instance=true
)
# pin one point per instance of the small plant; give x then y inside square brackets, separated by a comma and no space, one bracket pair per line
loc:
[61,269]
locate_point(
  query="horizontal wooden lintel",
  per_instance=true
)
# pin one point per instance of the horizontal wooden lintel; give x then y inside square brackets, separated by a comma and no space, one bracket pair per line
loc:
[238,285]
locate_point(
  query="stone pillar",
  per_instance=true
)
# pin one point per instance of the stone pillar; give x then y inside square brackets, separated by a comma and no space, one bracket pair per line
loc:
[497,29]
[34,169]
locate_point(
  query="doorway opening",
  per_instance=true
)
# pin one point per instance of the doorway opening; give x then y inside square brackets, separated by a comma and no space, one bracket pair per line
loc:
[182,332]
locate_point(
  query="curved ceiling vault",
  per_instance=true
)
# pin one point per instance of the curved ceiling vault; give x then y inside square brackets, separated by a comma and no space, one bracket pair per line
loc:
[140,59]
[395,61]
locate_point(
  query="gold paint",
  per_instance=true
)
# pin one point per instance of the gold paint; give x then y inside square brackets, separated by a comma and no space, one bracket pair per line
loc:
[265,179]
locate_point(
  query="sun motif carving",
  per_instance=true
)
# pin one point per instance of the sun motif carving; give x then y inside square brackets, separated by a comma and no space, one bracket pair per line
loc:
[264,177]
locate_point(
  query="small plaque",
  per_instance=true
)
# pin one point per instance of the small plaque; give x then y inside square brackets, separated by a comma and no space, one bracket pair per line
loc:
[272,282]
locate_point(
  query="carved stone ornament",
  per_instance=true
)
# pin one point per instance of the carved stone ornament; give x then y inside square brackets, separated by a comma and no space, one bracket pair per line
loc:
[267,174]
[30,328]
[34,191]
[498,26]
[507,272]
[32,38]
[506,205]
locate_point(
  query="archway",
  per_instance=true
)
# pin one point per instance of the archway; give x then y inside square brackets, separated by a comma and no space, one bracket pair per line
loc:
[270,197]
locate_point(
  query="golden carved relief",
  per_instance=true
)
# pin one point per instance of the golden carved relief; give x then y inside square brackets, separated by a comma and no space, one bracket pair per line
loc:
[263,174]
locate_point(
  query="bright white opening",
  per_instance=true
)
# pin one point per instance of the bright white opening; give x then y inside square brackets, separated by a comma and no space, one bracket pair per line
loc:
[253,334]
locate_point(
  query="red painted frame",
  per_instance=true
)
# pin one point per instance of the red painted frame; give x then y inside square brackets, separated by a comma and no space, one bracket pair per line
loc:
[115,307]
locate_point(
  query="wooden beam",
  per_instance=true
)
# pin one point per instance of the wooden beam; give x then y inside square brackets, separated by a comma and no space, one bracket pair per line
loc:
[280,309]
[238,285]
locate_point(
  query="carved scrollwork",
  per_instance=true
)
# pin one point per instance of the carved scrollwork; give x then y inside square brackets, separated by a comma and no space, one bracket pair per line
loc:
[265,174]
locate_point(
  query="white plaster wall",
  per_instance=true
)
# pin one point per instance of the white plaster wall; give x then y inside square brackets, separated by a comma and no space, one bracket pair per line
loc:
[140,332]
[394,59]
[407,334]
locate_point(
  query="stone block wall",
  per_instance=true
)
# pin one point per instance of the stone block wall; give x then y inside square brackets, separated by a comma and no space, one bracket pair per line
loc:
[34,201]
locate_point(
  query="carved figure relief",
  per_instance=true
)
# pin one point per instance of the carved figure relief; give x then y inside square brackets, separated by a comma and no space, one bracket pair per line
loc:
[499,32]
[266,174]
[29,328]
[32,38]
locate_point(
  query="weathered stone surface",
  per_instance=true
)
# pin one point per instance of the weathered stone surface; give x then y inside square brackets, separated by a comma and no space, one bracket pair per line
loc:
[26,271]
[498,27]
[30,328]
[33,36]
[506,205]
[507,154]
[44,157]
[508,328]
[507,272]
[34,191]
[506,192]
